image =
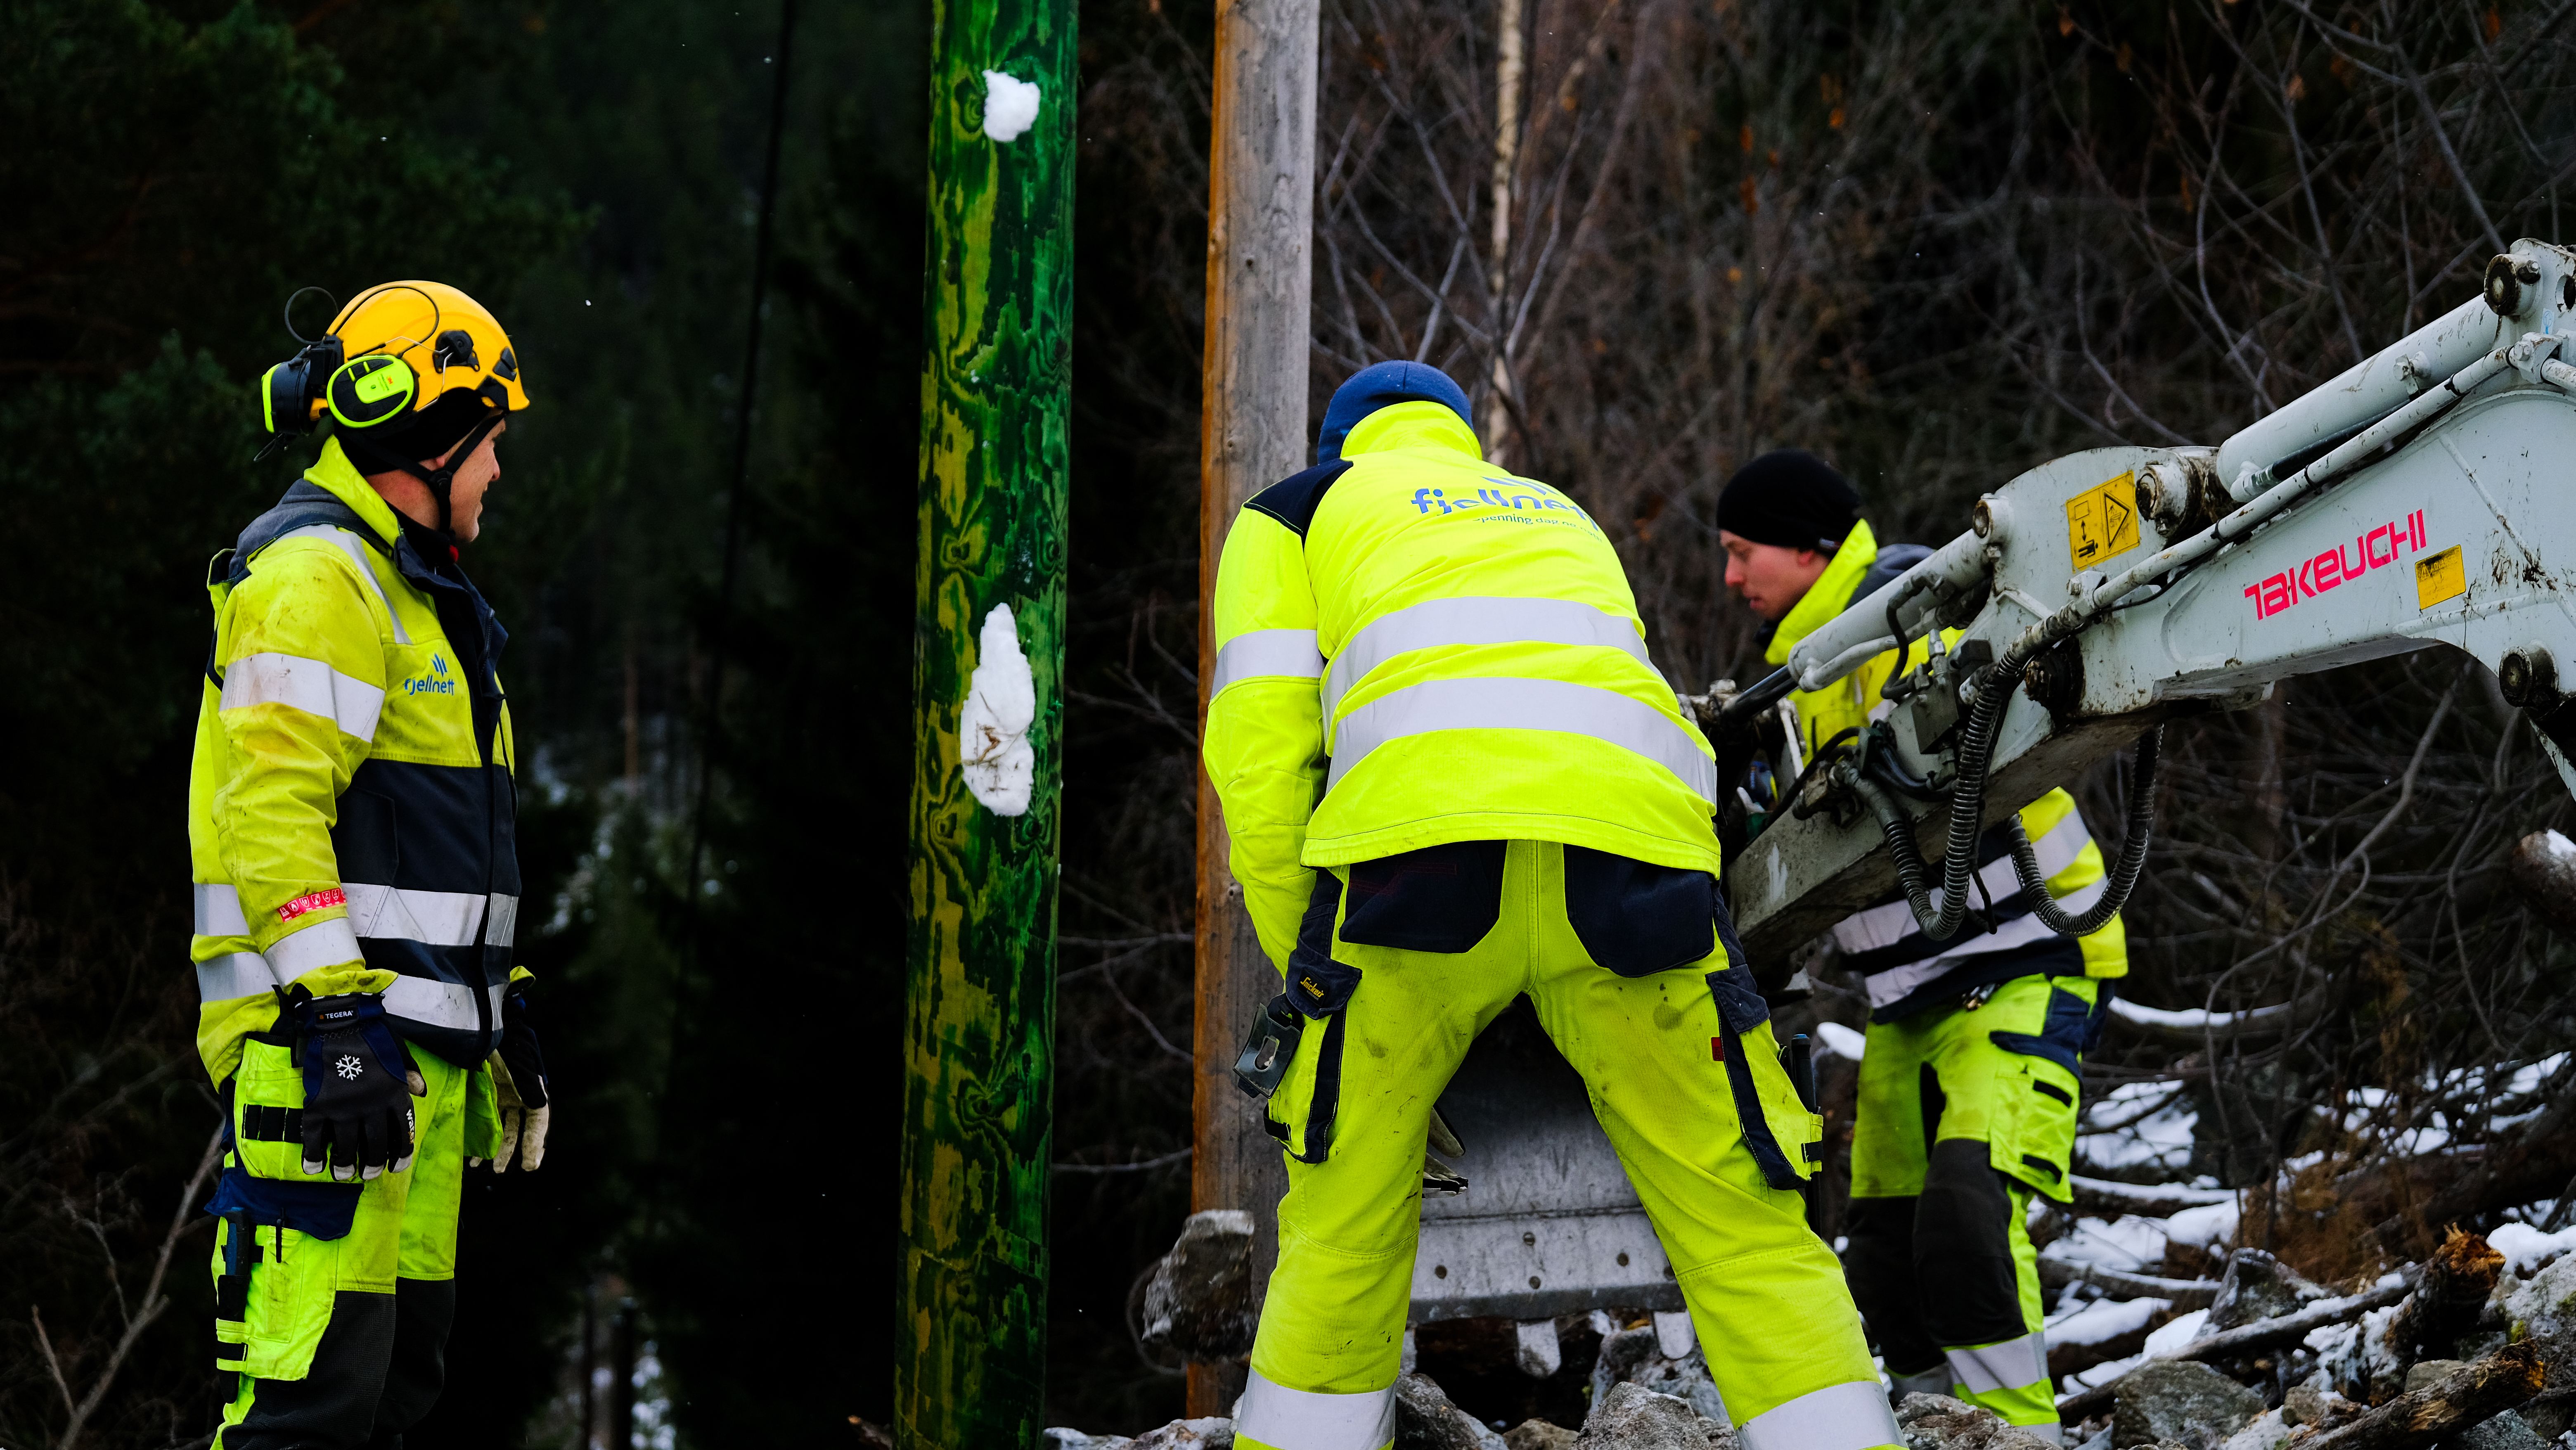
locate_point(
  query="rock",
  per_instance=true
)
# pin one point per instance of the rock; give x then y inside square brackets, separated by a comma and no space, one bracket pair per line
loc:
[1636,1356]
[1632,1417]
[2507,1431]
[2269,1430]
[1197,1300]
[2180,1400]
[2315,1404]
[1211,1433]
[1539,1435]
[2546,1302]
[1425,1420]
[2432,1371]
[2254,1286]
[1938,1422]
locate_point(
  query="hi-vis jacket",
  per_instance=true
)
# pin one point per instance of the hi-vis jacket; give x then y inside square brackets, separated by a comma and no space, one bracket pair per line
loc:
[350,807]
[1416,648]
[1906,971]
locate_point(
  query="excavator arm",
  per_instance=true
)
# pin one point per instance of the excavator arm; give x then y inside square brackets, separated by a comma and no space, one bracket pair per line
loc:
[2425,497]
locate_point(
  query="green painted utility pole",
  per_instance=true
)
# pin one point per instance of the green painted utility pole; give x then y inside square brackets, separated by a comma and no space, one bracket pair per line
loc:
[988,665]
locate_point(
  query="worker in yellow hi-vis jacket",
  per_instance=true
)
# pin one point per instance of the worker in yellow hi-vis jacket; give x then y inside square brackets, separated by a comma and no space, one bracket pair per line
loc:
[1451,776]
[350,830]
[1968,1084]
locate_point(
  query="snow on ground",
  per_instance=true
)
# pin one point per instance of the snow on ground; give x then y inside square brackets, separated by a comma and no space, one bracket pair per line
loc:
[2152,1129]
[2128,1243]
[2211,1226]
[2176,1332]
[1839,1040]
[2526,1248]
[2103,1320]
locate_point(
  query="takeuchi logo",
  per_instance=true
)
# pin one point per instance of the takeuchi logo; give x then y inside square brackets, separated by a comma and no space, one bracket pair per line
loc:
[2338,566]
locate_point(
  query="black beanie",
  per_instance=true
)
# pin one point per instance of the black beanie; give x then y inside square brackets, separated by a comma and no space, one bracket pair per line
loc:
[1791,498]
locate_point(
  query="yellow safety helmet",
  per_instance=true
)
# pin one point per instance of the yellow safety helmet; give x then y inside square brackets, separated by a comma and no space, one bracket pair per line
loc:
[407,371]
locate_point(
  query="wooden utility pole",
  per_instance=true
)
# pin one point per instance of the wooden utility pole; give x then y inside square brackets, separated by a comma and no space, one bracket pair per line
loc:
[1252,433]
[988,657]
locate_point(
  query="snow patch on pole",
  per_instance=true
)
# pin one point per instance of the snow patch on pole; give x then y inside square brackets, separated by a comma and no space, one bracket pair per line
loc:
[1010,108]
[1001,705]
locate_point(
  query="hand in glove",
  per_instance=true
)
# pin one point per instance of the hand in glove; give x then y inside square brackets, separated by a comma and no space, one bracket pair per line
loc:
[357,1086]
[519,1082]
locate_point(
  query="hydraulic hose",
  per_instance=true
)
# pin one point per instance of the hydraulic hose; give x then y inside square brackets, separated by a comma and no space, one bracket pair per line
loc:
[2124,874]
[1893,823]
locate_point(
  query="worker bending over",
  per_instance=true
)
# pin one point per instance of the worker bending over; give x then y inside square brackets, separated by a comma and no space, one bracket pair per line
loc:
[1451,777]
[350,829]
[1968,1085]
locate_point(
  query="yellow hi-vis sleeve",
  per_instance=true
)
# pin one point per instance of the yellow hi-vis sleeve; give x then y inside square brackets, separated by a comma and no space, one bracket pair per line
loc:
[303,684]
[1264,744]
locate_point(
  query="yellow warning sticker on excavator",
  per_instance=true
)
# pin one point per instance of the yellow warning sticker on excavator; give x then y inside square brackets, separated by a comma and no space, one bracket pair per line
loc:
[2102,521]
[2440,577]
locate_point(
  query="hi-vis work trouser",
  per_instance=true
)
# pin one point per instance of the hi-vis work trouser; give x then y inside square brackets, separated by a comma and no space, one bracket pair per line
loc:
[339,1338]
[1664,1070]
[1965,1112]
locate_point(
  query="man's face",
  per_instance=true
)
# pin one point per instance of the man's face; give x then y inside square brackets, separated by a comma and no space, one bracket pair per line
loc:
[474,478]
[1769,577]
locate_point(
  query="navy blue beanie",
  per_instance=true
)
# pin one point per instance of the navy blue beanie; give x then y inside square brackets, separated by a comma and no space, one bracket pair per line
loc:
[1383,385]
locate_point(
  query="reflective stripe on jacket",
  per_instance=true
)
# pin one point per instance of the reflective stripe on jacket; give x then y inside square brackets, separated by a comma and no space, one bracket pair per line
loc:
[350,807]
[1415,648]
[1904,970]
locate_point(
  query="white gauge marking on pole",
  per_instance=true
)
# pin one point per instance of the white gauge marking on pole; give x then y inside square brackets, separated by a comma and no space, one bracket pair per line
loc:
[1010,106]
[1001,705]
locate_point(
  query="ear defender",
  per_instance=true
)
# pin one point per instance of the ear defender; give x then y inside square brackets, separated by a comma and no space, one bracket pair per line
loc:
[291,393]
[369,390]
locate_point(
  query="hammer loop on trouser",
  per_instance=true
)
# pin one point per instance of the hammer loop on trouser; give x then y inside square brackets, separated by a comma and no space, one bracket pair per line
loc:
[1966,1115]
[1657,1054]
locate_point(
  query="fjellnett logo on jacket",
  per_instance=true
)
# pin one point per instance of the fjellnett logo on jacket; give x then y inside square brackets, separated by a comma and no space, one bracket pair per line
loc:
[1416,648]
[350,806]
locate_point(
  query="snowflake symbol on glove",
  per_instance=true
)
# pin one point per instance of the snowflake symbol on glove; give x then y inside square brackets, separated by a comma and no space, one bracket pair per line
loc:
[349,1068]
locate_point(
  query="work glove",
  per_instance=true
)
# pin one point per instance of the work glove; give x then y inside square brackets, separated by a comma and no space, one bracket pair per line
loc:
[358,1086]
[519,1086]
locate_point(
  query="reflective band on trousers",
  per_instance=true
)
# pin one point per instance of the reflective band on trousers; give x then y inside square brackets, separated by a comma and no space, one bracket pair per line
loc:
[1476,620]
[1521,704]
[1839,1417]
[398,913]
[1287,1419]
[234,974]
[1885,926]
[1264,653]
[348,544]
[2012,1365]
[438,1004]
[307,685]
[1893,984]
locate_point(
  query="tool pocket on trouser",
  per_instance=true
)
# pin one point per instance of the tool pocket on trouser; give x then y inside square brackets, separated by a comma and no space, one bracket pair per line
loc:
[1439,899]
[268,1113]
[1785,1139]
[1636,918]
[2037,1089]
[273,1294]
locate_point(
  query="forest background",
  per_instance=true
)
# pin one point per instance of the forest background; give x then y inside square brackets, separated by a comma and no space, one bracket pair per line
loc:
[1937,243]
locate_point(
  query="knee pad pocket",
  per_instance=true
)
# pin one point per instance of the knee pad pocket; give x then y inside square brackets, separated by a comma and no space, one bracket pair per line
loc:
[1963,1250]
